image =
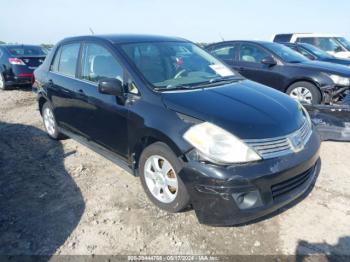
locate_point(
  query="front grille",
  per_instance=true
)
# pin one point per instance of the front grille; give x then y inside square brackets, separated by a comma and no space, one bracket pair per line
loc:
[279,146]
[290,184]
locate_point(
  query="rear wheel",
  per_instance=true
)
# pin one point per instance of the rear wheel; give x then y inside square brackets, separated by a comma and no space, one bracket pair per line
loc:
[159,168]
[305,92]
[2,82]
[50,121]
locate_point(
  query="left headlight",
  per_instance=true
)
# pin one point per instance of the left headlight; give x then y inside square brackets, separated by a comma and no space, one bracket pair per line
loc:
[340,80]
[219,146]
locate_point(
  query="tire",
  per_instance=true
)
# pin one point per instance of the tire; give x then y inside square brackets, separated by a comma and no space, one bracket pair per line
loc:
[302,90]
[50,123]
[2,83]
[172,198]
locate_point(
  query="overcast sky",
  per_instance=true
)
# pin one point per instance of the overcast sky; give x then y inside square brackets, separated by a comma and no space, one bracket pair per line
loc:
[48,21]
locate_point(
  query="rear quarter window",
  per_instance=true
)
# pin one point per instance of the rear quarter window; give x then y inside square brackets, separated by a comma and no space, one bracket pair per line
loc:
[282,38]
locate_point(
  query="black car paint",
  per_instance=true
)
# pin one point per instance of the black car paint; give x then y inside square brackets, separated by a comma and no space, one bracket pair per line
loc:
[283,74]
[18,74]
[122,127]
[301,47]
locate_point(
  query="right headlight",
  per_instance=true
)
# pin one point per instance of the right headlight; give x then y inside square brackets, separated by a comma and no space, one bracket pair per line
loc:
[219,146]
[340,80]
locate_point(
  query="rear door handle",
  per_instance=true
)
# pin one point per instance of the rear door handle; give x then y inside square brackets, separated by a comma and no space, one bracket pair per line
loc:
[81,91]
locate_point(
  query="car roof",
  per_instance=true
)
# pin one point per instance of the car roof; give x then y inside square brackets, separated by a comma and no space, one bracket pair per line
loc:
[242,41]
[127,38]
[18,45]
[309,35]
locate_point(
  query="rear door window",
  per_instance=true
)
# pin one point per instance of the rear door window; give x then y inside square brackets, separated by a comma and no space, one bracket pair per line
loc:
[99,63]
[68,59]
[225,52]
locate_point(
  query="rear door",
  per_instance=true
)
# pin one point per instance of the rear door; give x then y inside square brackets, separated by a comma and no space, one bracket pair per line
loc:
[102,117]
[62,85]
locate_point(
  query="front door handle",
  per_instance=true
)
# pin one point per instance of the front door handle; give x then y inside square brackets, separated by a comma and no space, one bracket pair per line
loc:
[81,91]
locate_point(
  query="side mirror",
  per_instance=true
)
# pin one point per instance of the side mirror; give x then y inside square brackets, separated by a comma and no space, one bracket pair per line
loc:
[110,86]
[269,60]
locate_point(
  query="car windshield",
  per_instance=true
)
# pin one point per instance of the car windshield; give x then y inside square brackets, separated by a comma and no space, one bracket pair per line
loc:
[345,42]
[171,65]
[22,50]
[316,51]
[285,53]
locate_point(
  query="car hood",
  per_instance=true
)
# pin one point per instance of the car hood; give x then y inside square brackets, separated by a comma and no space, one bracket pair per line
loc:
[246,109]
[325,67]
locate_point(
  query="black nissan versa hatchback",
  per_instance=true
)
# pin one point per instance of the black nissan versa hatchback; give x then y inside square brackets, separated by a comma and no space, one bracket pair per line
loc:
[17,63]
[196,132]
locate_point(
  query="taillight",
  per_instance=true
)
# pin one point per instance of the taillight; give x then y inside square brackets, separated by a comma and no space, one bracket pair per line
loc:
[16,61]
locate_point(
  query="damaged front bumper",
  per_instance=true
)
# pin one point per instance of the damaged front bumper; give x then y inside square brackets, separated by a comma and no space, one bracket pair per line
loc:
[332,120]
[237,194]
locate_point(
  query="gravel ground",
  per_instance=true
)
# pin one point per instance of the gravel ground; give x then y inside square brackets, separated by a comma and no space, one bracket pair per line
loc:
[62,198]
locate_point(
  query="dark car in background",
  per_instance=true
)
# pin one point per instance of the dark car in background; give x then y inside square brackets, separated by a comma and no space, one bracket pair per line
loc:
[17,63]
[280,67]
[314,53]
[195,131]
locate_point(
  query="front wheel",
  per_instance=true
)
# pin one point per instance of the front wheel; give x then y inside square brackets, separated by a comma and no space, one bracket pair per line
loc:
[159,168]
[305,92]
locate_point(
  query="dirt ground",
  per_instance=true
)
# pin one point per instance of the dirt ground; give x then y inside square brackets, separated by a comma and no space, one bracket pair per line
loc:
[62,198]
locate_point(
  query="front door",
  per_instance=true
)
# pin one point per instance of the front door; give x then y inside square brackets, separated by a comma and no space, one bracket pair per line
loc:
[103,118]
[250,65]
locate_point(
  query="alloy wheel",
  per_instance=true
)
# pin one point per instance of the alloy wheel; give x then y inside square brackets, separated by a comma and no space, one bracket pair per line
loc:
[302,94]
[161,179]
[49,121]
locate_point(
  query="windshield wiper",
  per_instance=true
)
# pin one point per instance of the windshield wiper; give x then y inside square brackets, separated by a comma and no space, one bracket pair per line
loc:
[217,80]
[171,88]
[224,79]
[210,82]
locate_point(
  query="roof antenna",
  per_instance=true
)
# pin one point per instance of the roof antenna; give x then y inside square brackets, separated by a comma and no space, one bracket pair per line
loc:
[91,31]
[222,39]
